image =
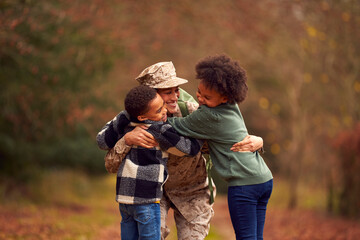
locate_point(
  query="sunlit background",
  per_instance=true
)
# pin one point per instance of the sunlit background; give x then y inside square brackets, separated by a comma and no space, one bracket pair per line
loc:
[65,67]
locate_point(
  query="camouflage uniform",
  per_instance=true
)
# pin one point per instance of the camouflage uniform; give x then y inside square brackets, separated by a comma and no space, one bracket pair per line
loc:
[187,192]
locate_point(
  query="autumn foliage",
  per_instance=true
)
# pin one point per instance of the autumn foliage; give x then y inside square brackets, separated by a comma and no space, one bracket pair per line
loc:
[65,67]
[348,145]
[50,57]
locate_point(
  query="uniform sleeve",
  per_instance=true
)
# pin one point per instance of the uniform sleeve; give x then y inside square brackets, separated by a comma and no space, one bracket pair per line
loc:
[113,131]
[192,106]
[172,142]
[114,156]
[195,125]
[185,96]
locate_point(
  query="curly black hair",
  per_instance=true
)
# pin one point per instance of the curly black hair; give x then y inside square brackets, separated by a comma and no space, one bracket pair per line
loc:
[224,75]
[137,100]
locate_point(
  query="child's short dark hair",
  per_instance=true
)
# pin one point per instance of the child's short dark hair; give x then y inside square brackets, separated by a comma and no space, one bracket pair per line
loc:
[224,75]
[137,100]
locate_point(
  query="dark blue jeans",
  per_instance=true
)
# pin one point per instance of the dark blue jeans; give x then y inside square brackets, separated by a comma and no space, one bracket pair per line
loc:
[247,206]
[140,221]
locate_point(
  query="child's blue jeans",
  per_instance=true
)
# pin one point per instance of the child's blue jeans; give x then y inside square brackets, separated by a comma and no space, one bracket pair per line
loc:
[140,221]
[247,206]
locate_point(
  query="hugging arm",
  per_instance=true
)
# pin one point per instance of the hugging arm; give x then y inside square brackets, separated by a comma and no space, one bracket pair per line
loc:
[193,125]
[172,142]
[113,131]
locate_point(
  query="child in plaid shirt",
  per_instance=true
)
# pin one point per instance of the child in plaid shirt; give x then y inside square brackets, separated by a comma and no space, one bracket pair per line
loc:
[143,172]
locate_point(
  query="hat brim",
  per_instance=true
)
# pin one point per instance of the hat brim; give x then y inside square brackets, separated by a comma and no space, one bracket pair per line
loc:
[173,82]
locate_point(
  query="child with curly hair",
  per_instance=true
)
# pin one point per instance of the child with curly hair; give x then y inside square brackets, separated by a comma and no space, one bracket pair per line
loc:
[219,121]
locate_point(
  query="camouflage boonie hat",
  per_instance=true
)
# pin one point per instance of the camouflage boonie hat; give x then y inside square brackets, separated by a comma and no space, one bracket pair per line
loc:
[160,75]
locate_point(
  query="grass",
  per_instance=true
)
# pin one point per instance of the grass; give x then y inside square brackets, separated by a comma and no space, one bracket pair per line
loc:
[310,196]
[67,205]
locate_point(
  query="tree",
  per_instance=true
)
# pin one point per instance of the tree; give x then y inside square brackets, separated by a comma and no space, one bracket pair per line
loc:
[50,57]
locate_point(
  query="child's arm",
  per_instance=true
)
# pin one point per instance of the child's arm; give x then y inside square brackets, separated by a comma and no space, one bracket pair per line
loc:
[196,124]
[113,131]
[172,142]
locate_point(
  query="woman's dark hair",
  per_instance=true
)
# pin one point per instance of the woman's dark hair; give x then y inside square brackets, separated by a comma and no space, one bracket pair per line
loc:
[137,100]
[224,75]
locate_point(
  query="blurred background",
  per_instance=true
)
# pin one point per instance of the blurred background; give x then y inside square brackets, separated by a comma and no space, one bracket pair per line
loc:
[65,67]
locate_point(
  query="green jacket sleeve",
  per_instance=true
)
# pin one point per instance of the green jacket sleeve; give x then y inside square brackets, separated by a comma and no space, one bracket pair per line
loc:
[199,124]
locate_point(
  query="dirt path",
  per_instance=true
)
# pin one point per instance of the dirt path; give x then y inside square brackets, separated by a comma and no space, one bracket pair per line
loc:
[281,224]
[308,225]
[292,225]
